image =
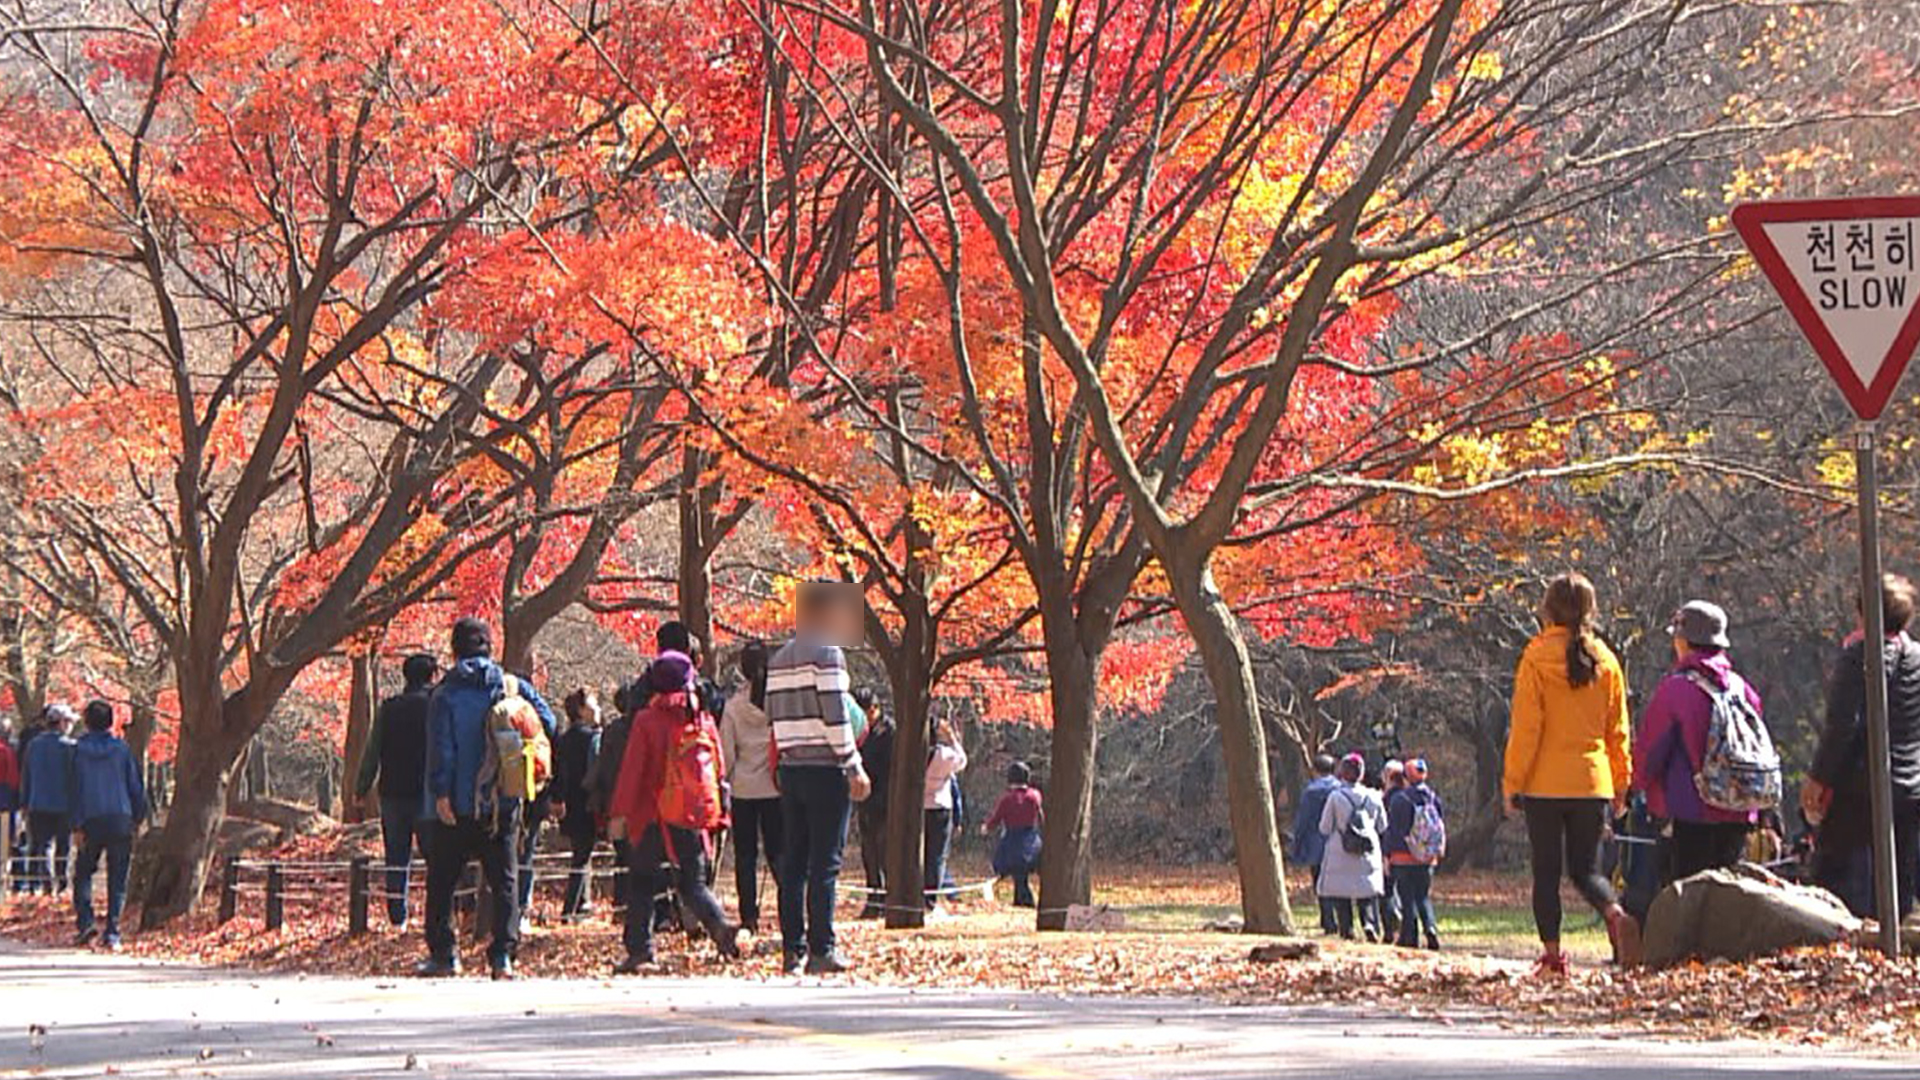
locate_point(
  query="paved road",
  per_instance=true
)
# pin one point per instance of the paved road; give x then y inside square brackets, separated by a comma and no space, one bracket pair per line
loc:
[108,1016]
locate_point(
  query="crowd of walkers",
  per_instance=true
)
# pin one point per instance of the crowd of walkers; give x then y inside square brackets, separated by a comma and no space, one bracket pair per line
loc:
[1702,764]
[469,763]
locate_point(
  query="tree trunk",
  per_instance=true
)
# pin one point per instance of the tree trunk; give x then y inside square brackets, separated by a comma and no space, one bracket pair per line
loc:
[1066,861]
[360,697]
[694,599]
[143,719]
[1243,744]
[907,780]
[203,770]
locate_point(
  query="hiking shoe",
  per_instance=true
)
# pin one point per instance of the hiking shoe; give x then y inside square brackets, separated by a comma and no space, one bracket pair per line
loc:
[634,964]
[86,937]
[434,967]
[502,970]
[1550,967]
[828,964]
[111,942]
[1433,943]
[1625,934]
[791,962]
[727,940]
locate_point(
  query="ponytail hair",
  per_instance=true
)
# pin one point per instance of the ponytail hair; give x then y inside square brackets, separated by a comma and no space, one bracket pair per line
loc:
[753,665]
[1571,603]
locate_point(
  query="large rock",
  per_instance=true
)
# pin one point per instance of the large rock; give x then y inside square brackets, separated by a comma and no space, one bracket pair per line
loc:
[1739,914]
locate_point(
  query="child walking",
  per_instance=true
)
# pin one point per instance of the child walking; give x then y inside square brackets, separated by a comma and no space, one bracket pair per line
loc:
[1018,815]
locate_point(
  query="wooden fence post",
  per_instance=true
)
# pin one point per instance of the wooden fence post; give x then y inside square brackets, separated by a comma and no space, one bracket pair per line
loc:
[276,897]
[229,889]
[357,889]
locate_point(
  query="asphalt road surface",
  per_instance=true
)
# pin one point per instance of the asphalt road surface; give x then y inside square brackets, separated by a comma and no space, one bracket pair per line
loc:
[110,1016]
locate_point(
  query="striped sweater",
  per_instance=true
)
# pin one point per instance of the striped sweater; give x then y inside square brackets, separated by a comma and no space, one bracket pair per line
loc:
[811,711]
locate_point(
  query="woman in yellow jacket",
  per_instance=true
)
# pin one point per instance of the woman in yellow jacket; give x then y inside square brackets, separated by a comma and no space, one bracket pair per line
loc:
[1567,760]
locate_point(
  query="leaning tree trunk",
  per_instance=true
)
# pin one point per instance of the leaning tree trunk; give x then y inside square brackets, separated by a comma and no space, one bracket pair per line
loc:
[360,697]
[1243,743]
[698,523]
[204,766]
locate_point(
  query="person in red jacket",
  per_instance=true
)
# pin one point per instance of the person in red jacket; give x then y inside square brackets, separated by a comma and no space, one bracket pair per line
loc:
[668,797]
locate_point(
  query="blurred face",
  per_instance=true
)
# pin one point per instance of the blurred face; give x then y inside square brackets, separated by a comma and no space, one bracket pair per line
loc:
[832,613]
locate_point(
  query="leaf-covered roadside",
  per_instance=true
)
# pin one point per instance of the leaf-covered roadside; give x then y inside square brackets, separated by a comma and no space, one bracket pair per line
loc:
[1839,997]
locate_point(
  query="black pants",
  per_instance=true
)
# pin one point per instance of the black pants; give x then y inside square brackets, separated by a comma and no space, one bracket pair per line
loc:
[756,833]
[873,852]
[655,870]
[1565,837]
[1343,910]
[49,849]
[119,853]
[937,842]
[532,819]
[454,846]
[816,806]
[1697,847]
[581,838]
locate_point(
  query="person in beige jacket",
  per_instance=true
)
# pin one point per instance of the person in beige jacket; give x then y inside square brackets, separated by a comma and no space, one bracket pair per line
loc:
[746,747]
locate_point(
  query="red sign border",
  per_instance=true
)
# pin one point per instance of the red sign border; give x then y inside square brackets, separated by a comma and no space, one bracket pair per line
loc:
[1749,218]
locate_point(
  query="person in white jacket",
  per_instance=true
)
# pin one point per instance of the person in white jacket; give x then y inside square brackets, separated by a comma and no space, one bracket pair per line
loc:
[746,747]
[946,760]
[1353,868]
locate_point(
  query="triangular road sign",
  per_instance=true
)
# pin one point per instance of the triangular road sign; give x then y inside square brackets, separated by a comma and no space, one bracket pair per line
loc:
[1848,271]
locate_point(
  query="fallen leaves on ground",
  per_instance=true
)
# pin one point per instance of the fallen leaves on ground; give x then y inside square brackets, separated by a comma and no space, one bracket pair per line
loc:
[1837,996]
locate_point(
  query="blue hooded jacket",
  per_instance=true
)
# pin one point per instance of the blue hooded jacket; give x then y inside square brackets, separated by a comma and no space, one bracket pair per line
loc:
[108,795]
[457,731]
[44,774]
[1308,844]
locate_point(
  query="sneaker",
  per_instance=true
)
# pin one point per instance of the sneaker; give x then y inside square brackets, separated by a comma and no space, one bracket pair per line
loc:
[828,964]
[791,962]
[502,970]
[1625,934]
[1550,967]
[634,964]
[1433,943]
[111,942]
[526,926]
[86,937]
[434,967]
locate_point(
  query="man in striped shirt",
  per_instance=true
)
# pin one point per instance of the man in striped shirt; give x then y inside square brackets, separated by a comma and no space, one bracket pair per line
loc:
[820,772]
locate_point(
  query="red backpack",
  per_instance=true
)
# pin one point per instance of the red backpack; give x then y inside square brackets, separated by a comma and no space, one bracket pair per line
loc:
[690,781]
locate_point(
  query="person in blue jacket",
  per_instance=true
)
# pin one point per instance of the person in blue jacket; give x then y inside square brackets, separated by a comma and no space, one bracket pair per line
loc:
[44,769]
[109,804]
[476,821]
[1308,844]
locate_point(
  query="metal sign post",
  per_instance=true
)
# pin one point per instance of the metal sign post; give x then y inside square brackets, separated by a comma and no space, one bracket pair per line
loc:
[1848,271]
[1874,652]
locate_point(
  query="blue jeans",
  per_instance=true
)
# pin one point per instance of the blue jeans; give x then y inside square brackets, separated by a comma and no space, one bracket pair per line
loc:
[815,807]
[401,827]
[49,846]
[938,841]
[1414,885]
[119,852]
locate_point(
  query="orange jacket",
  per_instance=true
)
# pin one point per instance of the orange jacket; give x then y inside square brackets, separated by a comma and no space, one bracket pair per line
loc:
[1567,743]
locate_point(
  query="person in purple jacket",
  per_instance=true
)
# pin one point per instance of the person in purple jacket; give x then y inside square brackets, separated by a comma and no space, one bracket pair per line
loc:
[1673,742]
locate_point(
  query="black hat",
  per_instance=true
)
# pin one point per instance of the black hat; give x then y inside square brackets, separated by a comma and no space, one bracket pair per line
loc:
[471,637]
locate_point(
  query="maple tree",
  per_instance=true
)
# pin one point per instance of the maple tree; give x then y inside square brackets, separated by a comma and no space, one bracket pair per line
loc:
[271,249]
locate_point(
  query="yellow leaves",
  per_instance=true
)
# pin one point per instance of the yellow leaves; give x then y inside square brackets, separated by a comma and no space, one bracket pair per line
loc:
[1485,67]
[1836,468]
